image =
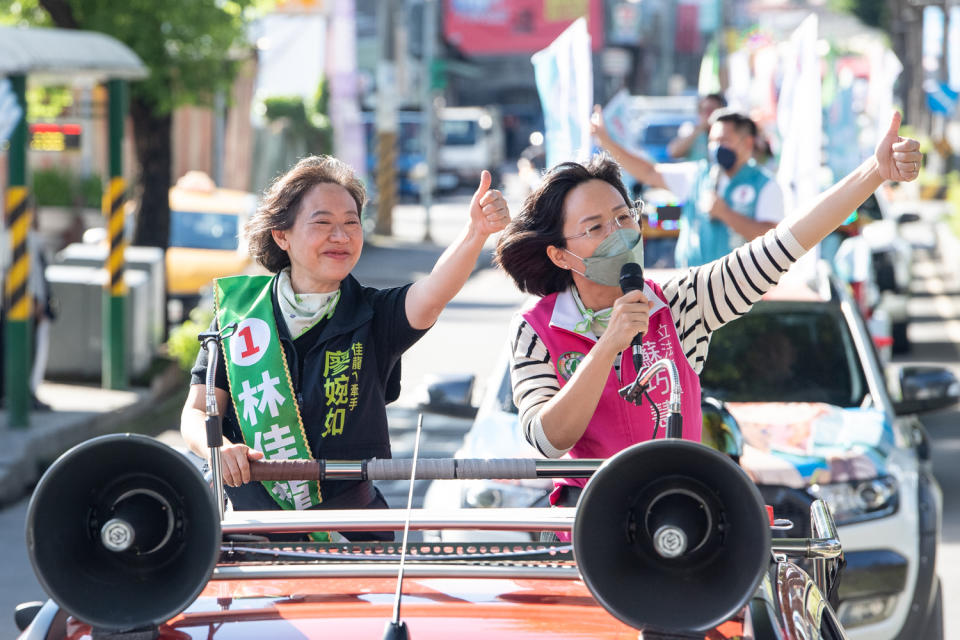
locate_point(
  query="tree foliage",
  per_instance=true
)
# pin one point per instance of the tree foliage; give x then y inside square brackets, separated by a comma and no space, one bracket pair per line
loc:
[873,13]
[192,49]
[306,123]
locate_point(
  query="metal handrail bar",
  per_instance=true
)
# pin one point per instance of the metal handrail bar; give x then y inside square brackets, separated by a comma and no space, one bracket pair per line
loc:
[823,547]
[825,529]
[427,469]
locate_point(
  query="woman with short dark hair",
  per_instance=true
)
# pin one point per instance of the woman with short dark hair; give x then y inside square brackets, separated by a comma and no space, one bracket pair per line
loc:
[315,355]
[279,206]
[568,245]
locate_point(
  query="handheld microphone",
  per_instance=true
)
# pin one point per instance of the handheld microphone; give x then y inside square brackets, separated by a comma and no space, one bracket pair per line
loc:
[631,279]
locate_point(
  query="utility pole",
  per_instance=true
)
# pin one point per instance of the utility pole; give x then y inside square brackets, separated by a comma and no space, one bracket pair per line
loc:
[428,126]
[906,23]
[944,51]
[722,46]
[386,121]
[667,28]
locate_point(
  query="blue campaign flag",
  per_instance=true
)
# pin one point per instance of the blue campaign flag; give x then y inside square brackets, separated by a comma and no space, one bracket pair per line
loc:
[940,97]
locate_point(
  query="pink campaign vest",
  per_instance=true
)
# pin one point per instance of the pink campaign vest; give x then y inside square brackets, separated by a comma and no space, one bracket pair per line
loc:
[617,424]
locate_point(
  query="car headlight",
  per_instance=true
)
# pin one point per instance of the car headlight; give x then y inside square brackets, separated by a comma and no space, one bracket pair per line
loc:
[860,500]
[493,493]
[860,611]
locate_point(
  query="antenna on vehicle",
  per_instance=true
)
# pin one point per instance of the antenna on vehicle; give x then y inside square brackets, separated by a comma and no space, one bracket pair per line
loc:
[395,629]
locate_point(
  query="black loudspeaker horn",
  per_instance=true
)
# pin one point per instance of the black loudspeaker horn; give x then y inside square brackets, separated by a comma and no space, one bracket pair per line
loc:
[671,535]
[123,532]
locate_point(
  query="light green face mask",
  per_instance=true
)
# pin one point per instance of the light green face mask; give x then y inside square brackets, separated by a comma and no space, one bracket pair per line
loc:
[617,249]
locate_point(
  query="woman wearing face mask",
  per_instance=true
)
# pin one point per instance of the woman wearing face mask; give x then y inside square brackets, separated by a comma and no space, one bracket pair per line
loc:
[568,245]
[728,198]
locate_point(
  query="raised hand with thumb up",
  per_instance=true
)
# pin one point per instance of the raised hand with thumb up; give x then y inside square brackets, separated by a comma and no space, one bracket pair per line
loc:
[898,158]
[488,209]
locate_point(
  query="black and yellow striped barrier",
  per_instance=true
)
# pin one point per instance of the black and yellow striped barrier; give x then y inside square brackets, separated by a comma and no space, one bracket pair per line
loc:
[18,303]
[18,215]
[113,198]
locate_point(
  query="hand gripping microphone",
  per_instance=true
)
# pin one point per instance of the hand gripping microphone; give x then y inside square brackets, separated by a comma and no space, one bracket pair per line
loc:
[631,279]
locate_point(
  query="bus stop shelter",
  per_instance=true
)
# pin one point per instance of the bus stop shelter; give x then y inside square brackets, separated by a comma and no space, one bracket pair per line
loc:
[59,57]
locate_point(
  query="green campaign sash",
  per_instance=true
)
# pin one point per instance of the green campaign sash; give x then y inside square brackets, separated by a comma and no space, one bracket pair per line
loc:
[260,384]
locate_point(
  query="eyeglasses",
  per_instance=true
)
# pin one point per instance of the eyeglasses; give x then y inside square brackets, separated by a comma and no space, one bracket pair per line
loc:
[627,220]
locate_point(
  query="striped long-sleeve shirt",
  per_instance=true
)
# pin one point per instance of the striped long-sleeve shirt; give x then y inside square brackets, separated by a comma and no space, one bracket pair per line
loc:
[701,300]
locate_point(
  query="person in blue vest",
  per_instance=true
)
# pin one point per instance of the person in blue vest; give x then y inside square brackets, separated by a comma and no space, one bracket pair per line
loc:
[728,199]
[315,356]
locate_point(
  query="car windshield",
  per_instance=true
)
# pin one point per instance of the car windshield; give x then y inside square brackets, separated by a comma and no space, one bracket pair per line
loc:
[659,133]
[786,352]
[459,132]
[194,230]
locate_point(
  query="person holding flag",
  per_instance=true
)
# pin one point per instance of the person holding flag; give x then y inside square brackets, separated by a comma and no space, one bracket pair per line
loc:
[315,356]
[728,198]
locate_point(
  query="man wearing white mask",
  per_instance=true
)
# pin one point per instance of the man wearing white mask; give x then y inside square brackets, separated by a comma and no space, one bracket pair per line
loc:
[728,198]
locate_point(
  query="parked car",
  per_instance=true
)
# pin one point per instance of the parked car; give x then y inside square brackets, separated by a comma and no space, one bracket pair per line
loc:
[472,139]
[125,535]
[656,131]
[818,420]
[892,257]
[205,224]
[824,425]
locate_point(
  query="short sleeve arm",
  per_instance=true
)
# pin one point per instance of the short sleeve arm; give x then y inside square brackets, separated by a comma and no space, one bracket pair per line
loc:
[770,203]
[678,177]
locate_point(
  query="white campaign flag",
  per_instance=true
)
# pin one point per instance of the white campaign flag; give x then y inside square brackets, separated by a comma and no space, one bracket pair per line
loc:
[885,68]
[799,116]
[564,76]
[800,124]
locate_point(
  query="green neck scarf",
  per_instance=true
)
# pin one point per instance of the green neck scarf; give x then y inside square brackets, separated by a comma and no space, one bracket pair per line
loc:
[593,321]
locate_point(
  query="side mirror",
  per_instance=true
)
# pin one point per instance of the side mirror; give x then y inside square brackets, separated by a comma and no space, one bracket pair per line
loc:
[926,388]
[904,218]
[448,395]
[720,429]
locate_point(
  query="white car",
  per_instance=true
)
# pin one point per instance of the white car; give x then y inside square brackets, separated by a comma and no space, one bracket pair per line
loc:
[892,257]
[817,422]
[494,434]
